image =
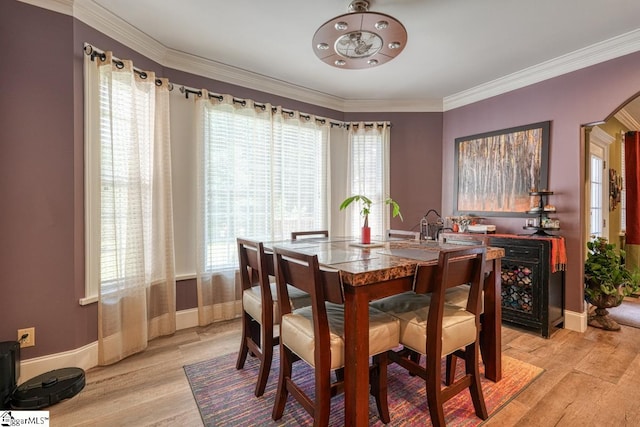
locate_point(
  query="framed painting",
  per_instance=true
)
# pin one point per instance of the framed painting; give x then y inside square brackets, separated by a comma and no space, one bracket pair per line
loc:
[495,171]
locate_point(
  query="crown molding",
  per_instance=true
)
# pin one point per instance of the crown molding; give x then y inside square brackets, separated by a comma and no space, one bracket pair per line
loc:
[590,55]
[395,106]
[221,72]
[204,67]
[601,137]
[627,120]
[111,25]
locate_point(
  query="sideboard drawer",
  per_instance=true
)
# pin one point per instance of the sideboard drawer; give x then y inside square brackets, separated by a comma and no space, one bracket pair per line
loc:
[531,253]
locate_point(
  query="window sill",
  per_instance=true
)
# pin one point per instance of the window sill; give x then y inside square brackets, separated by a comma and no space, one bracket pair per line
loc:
[88,300]
[94,298]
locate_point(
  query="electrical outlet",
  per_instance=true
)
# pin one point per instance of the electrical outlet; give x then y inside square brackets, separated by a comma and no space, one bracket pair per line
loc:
[30,340]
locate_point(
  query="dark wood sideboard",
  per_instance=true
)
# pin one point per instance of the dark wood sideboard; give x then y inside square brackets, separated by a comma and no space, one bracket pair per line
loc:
[532,294]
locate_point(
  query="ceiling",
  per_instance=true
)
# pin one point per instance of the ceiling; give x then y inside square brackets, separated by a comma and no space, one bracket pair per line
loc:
[456,48]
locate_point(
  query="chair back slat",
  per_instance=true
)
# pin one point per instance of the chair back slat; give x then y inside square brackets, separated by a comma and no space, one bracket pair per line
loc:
[467,267]
[254,265]
[462,268]
[316,233]
[403,234]
[332,286]
[460,272]
[297,274]
[296,271]
[424,277]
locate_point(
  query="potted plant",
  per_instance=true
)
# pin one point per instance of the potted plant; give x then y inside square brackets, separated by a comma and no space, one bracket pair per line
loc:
[366,209]
[607,281]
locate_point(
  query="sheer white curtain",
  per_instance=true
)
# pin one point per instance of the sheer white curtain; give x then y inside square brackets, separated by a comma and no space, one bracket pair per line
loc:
[137,277]
[262,173]
[368,174]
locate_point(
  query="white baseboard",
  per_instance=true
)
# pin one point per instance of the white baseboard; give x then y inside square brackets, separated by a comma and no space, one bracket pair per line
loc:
[187,318]
[86,357]
[576,321]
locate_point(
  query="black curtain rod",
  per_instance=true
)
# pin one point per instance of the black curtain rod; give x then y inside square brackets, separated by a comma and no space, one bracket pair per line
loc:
[188,91]
[93,53]
[243,102]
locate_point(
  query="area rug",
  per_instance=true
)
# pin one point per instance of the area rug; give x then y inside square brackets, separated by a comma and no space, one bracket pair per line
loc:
[627,313]
[225,396]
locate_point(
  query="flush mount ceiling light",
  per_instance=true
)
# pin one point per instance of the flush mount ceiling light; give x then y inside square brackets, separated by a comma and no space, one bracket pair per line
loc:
[359,39]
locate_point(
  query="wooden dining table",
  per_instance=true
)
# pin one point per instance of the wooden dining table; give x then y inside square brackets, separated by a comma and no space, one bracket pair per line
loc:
[380,269]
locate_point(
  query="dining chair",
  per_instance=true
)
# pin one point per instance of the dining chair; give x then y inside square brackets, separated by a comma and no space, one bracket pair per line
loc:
[306,234]
[315,335]
[432,327]
[456,295]
[403,234]
[260,311]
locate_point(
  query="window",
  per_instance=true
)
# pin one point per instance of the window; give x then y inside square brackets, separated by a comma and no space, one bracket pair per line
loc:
[118,184]
[596,196]
[262,178]
[119,120]
[599,143]
[368,166]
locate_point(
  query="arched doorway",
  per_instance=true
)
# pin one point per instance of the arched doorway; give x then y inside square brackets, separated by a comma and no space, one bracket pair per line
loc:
[606,213]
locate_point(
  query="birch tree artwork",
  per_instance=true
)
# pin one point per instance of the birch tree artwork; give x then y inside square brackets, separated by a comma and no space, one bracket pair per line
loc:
[497,172]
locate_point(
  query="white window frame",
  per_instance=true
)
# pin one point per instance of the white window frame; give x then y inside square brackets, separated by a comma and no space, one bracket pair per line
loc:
[599,146]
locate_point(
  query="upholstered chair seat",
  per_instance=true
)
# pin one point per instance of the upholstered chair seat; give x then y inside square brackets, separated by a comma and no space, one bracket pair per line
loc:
[252,302]
[412,310]
[456,295]
[298,335]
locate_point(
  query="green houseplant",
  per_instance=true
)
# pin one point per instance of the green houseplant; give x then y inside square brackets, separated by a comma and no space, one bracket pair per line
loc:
[607,281]
[366,210]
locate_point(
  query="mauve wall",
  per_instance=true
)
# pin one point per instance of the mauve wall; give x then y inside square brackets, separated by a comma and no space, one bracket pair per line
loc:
[41,171]
[38,180]
[577,98]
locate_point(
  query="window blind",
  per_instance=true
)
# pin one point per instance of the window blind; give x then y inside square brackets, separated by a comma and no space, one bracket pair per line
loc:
[126,171]
[367,170]
[264,178]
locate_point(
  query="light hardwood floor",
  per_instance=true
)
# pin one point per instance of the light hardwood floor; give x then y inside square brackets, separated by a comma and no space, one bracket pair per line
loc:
[590,379]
